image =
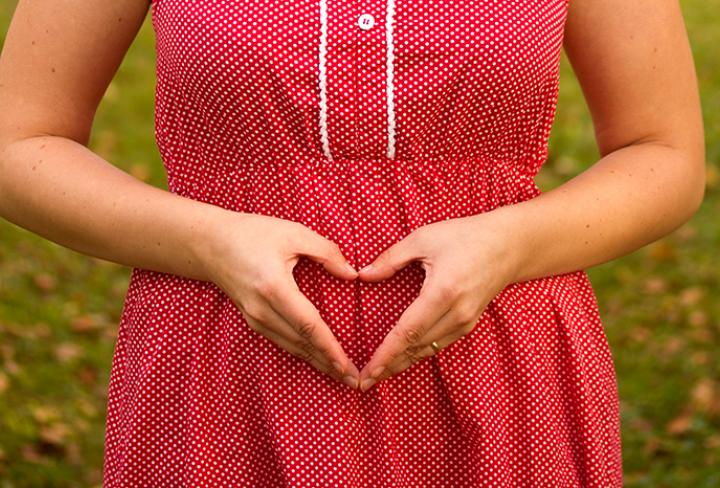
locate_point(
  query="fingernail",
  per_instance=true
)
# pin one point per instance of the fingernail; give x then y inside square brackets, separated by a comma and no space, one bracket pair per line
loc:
[367,268]
[350,268]
[367,383]
[351,381]
[338,367]
[378,371]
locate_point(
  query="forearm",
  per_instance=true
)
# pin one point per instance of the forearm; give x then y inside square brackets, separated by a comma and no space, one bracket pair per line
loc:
[62,191]
[628,199]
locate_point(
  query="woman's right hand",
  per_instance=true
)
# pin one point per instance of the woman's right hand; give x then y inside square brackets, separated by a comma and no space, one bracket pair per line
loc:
[251,258]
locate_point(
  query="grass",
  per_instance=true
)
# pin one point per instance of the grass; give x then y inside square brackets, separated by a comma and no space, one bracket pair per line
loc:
[59,309]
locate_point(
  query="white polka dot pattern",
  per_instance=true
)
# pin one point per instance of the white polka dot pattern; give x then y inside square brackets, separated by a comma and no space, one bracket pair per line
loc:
[197,399]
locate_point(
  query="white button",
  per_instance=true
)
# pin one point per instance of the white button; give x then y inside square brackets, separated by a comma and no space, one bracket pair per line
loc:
[366,21]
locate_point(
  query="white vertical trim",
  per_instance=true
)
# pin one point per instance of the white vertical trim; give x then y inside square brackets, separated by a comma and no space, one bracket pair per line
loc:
[389,75]
[390,60]
[323,79]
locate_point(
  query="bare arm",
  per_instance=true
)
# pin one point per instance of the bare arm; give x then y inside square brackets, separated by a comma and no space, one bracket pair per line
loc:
[634,64]
[57,62]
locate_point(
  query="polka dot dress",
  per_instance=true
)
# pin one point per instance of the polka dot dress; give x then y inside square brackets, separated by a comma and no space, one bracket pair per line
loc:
[363,120]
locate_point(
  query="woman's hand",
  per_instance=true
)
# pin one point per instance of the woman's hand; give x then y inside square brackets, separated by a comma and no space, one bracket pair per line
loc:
[251,258]
[467,262]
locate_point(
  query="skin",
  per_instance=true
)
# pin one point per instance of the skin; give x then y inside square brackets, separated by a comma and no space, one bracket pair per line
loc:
[635,68]
[58,59]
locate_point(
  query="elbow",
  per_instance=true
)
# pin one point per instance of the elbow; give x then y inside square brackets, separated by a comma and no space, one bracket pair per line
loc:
[699,162]
[4,145]
[8,160]
[690,157]
[698,195]
[697,177]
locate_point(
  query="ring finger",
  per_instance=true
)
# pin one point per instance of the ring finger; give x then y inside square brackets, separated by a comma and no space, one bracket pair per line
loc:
[444,332]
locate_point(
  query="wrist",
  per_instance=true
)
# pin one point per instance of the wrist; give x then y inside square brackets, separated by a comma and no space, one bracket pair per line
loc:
[511,228]
[205,240]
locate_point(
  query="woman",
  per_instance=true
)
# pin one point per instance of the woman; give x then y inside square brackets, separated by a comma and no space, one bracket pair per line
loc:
[353,279]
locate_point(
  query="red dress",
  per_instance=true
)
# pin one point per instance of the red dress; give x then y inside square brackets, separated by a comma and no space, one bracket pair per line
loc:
[363,121]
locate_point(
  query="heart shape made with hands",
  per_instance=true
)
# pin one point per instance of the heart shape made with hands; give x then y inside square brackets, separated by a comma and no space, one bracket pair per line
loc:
[450,302]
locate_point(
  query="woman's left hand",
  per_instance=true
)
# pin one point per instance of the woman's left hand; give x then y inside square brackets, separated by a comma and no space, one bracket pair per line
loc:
[467,261]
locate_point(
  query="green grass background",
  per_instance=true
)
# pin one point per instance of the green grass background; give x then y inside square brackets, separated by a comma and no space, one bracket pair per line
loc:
[59,309]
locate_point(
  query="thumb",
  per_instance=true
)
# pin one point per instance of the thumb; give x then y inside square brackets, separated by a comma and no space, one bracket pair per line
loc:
[326,252]
[390,261]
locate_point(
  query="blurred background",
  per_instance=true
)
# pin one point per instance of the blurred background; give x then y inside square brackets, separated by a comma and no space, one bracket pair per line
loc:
[59,310]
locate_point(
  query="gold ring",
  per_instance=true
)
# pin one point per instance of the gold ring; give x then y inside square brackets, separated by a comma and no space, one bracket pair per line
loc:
[435,347]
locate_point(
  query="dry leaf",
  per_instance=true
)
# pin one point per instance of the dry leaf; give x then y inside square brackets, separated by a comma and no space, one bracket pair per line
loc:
[700,358]
[681,423]
[4,382]
[88,376]
[691,296]
[713,442]
[704,396]
[655,285]
[673,345]
[67,351]
[45,413]
[73,453]
[29,453]
[698,318]
[652,445]
[54,434]
[86,323]
[45,281]
[639,333]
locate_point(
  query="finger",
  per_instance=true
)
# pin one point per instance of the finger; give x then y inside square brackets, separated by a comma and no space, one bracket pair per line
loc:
[451,327]
[308,354]
[288,301]
[410,356]
[326,252]
[262,314]
[430,305]
[391,260]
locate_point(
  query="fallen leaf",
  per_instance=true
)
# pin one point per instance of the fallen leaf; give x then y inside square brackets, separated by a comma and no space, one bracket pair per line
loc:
[673,345]
[86,323]
[691,296]
[88,376]
[655,285]
[4,382]
[700,358]
[67,351]
[29,453]
[698,318]
[45,413]
[45,281]
[704,396]
[640,333]
[680,424]
[73,454]
[55,434]
[713,442]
